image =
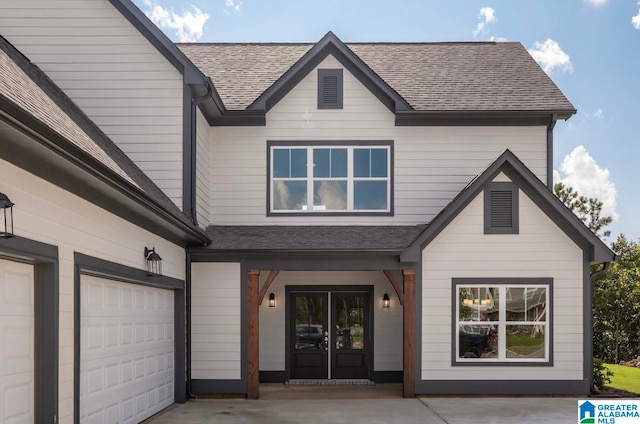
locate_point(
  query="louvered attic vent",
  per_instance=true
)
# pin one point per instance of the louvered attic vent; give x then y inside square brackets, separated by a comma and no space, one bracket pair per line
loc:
[501,209]
[329,88]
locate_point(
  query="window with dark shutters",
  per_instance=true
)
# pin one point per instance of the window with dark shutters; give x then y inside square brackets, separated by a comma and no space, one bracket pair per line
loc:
[329,88]
[501,208]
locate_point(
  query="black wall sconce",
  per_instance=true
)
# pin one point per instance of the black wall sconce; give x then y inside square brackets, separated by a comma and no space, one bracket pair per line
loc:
[154,262]
[6,217]
[385,301]
[272,300]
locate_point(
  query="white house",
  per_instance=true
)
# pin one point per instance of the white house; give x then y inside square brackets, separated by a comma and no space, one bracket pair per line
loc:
[326,211]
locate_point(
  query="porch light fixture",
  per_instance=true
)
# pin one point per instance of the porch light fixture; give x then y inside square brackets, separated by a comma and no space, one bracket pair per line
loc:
[385,301]
[6,217]
[154,262]
[272,300]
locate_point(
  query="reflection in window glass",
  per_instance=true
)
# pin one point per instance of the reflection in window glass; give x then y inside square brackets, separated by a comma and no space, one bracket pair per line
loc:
[289,195]
[339,163]
[525,341]
[330,195]
[350,324]
[515,315]
[281,163]
[379,162]
[298,163]
[361,163]
[370,195]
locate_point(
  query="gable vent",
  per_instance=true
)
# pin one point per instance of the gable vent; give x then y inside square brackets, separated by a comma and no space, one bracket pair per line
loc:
[501,209]
[329,88]
[330,92]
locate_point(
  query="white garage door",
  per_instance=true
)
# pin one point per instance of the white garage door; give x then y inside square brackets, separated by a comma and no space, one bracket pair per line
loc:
[16,343]
[126,351]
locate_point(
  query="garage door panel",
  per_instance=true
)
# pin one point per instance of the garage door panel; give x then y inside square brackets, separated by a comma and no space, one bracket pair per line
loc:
[127,345]
[16,343]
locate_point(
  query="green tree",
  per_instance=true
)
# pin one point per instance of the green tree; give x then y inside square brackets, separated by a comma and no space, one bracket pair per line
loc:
[588,209]
[616,305]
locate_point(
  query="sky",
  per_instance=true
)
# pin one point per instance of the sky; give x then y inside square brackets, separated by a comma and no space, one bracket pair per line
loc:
[590,48]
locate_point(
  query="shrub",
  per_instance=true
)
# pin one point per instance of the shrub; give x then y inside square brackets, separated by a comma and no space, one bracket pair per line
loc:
[601,374]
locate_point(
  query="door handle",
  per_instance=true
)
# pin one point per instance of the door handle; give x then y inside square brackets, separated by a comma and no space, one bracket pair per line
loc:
[326,340]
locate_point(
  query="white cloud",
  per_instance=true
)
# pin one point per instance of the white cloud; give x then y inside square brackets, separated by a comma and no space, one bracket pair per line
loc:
[187,25]
[635,21]
[487,15]
[596,2]
[232,6]
[550,56]
[599,113]
[498,39]
[580,171]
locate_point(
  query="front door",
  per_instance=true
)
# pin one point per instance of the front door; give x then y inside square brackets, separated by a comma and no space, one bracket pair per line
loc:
[330,334]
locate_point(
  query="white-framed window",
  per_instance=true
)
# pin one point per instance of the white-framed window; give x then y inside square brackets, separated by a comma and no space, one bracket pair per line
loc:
[330,178]
[502,320]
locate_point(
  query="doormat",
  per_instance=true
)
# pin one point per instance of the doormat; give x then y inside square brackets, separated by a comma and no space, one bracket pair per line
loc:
[356,382]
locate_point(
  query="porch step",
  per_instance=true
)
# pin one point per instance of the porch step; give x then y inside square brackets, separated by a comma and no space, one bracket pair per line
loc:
[337,382]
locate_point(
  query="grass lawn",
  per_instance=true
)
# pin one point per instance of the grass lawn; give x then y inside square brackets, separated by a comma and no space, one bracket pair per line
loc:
[625,378]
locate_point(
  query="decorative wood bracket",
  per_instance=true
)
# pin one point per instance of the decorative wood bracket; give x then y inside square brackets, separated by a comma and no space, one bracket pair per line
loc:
[263,291]
[396,286]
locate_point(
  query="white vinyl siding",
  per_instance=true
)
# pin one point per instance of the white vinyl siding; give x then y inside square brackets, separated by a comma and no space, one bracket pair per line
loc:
[540,250]
[202,169]
[215,321]
[431,166]
[112,72]
[54,216]
[17,360]
[126,351]
[387,335]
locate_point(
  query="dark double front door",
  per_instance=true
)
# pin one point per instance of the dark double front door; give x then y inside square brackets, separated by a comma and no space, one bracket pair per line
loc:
[330,334]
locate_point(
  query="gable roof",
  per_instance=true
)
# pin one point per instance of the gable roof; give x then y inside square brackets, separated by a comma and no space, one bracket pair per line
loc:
[85,159]
[456,77]
[517,171]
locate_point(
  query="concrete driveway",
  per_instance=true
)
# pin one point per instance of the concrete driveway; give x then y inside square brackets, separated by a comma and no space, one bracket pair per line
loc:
[375,411]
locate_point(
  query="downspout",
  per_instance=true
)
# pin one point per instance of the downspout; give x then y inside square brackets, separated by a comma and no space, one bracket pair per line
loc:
[195,101]
[598,273]
[550,127]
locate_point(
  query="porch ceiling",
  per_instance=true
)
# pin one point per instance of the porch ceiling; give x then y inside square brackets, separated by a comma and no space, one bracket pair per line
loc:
[313,237]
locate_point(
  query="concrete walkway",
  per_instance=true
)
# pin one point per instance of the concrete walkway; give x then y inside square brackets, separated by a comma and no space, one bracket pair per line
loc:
[382,410]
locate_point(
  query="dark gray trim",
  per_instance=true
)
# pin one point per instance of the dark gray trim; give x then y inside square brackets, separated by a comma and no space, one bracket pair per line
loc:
[537,191]
[320,143]
[44,258]
[289,289]
[515,208]
[90,265]
[501,282]
[188,147]
[550,127]
[502,387]
[384,377]
[55,159]
[475,118]
[330,45]
[244,332]
[417,350]
[337,261]
[587,323]
[322,73]
[272,377]
[231,387]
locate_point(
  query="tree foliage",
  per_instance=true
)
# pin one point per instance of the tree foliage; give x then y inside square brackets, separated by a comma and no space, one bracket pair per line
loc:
[588,209]
[616,305]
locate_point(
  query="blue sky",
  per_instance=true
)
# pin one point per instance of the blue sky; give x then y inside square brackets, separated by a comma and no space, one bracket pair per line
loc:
[590,48]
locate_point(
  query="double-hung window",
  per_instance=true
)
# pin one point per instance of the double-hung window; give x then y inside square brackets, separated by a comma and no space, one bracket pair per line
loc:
[330,178]
[502,320]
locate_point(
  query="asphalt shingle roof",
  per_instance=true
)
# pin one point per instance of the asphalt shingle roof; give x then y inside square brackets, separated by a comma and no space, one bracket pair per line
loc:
[457,76]
[309,237]
[29,88]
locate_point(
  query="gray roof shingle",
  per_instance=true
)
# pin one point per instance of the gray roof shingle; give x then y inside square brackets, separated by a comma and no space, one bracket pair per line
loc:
[439,77]
[29,88]
[310,238]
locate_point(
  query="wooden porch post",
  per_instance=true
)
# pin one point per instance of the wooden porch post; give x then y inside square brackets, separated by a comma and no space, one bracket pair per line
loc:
[408,337]
[253,352]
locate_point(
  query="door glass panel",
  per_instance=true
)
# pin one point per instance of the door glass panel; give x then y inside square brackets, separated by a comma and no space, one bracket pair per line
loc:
[350,322]
[309,322]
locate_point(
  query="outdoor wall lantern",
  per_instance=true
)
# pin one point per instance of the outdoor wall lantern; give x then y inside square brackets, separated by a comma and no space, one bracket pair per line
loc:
[154,262]
[6,217]
[385,301]
[272,300]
